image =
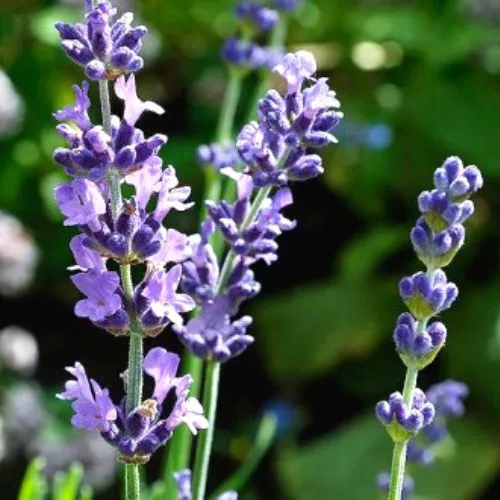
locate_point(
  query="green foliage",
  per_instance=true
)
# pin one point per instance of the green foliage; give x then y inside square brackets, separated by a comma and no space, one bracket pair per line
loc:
[65,485]
[34,485]
[318,326]
[345,463]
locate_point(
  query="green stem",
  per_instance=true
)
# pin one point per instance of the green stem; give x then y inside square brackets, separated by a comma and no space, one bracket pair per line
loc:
[263,440]
[224,130]
[134,381]
[204,445]
[132,480]
[179,452]
[229,105]
[211,385]
[399,453]
[277,39]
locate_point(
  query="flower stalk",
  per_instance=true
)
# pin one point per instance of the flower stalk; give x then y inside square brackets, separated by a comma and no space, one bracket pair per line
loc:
[437,236]
[135,355]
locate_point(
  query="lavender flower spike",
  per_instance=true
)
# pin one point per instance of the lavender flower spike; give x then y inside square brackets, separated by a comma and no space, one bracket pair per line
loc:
[436,238]
[140,432]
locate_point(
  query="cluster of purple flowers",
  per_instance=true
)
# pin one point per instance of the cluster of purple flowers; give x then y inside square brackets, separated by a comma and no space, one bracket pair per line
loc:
[447,398]
[437,236]
[138,433]
[243,54]
[401,421]
[101,158]
[254,19]
[274,150]
[104,48]
[218,156]
[132,235]
[447,401]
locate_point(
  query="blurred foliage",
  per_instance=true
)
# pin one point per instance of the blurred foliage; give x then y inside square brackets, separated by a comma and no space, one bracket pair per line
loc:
[418,81]
[65,485]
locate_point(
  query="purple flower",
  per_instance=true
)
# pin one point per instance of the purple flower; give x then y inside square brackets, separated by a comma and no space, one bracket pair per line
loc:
[183,481]
[146,180]
[274,152]
[455,180]
[140,432]
[134,107]
[418,346]
[427,295]
[105,49]
[92,152]
[319,97]
[212,335]
[101,290]
[295,68]
[77,113]
[81,202]
[448,397]
[158,303]
[170,196]
[92,405]
[86,258]
[218,156]
[401,421]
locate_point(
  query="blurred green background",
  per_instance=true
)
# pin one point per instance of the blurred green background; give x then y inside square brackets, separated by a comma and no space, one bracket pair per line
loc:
[418,81]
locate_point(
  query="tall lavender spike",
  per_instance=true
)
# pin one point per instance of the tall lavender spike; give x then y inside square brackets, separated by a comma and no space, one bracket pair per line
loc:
[436,238]
[275,152]
[101,158]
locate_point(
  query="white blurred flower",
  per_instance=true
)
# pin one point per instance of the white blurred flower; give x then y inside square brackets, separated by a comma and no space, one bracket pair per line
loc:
[489,10]
[96,456]
[23,413]
[11,107]
[18,350]
[18,256]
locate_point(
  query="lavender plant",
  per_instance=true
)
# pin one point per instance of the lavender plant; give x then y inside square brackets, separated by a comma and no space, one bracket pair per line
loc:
[118,233]
[102,158]
[437,236]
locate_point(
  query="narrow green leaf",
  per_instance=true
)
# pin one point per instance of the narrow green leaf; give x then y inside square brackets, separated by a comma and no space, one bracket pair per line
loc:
[33,486]
[68,484]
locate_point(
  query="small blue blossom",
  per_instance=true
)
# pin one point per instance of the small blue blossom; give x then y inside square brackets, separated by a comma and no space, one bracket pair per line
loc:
[418,347]
[401,421]
[427,296]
